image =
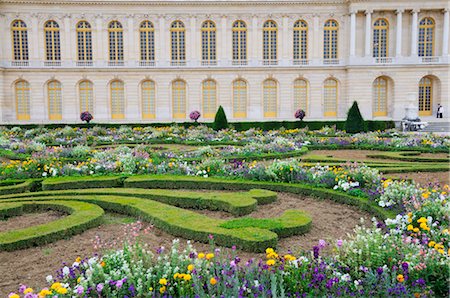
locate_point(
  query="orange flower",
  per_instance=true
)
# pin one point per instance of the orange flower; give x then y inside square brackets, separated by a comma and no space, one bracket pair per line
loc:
[400,278]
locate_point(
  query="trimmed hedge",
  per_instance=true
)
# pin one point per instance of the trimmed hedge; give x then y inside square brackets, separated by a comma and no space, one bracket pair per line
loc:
[82,216]
[26,186]
[82,182]
[407,156]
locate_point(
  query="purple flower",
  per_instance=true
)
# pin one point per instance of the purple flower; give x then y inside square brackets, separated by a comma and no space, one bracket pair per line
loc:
[322,243]
[99,288]
[22,288]
[80,290]
[339,242]
[316,250]
[380,270]
[194,115]
[405,267]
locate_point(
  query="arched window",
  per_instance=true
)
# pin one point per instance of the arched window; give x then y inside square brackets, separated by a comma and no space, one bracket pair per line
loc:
[177,32]
[84,41]
[115,31]
[208,41]
[86,91]
[52,41]
[330,97]
[300,40]
[147,32]
[239,42]
[426,37]
[380,97]
[270,98]
[330,40]
[240,99]
[300,94]
[179,99]
[22,90]
[54,100]
[380,38]
[20,40]
[425,96]
[148,99]
[117,100]
[270,41]
[209,98]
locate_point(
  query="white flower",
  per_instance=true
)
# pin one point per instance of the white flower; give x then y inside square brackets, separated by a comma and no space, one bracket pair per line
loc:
[66,271]
[49,278]
[44,174]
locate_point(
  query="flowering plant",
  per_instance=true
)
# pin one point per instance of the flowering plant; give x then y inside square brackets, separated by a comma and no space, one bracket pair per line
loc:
[194,115]
[86,116]
[300,114]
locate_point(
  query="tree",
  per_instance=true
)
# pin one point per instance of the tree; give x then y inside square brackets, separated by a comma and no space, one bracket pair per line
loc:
[355,122]
[220,121]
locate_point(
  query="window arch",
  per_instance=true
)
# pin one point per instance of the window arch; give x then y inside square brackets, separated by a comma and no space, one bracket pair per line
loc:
[380,97]
[147,34]
[270,98]
[52,41]
[54,100]
[426,37]
[115,31]
[330,39]
[86,93]
[179,99]
[178,40]
[208,41]
[239,41]
[270,31]
[19,33]
[301,94]
[330,97]
[148,99]
[117,99]
[380,38]
[84,41]
[426,96]
[240,99]
[22,92]
[209,98]
[300,40]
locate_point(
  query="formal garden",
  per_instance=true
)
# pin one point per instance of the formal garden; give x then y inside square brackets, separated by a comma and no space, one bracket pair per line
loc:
[198,211]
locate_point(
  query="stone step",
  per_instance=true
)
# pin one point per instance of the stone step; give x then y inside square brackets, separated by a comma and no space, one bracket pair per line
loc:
[441,126]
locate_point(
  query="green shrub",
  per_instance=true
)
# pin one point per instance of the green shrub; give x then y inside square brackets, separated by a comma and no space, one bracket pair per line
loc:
[81,182]
[27,185]
[220,121]
[355,122]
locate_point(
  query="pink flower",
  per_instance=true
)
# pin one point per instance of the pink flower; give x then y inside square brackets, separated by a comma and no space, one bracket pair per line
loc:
[339,242]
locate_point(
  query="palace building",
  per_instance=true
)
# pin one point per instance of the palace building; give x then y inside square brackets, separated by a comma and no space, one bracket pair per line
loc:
[158,60]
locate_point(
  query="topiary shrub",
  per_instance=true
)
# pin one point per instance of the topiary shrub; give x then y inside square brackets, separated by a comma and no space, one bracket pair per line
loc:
[220,121]
[355,122]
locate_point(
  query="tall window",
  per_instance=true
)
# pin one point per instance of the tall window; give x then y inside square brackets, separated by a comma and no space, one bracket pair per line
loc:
[270,98]
[177,32]
[147,32]
[330,40]
[84,41]
[179,99]
[425,96]
[426,37]
[54,100]
[300,40]
[115,31]
[117,100]
[86,90]
[380,97]
[239,41]
[20,40]
[208,41]
[52,41]
[148,99]
[330,97]
[270,41]
[22,90]
[209,98]
[240,99]
[380,38]
[300,94]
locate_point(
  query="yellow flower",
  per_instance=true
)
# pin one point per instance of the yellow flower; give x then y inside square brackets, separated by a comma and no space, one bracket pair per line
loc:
[201,255]
[416,230]
[209,256]
[44,292]
[410,227]
[14,296]
[187,277]
[212,281]
[163,281]
[61,290]
[400,278]
[409,214]
[190,267]
[426,195]
[78,260]
[422,220]
[102,264]
[175,276]
[28,290]
[431,244]
[269,250]
[270,262]
[410,220]
[423,226]
[441,251]
[150,289]
[56,285]
[162,289]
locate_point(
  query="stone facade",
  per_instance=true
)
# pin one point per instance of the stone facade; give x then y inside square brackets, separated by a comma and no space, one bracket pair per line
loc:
[402,72]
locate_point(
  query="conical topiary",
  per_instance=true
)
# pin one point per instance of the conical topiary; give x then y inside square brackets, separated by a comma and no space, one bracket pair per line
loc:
[355,122]
[220,121]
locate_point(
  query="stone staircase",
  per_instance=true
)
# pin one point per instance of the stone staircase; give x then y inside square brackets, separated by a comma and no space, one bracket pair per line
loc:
[438,125]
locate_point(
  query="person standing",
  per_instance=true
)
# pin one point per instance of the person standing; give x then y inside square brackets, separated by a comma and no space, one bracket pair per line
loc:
[440,111]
